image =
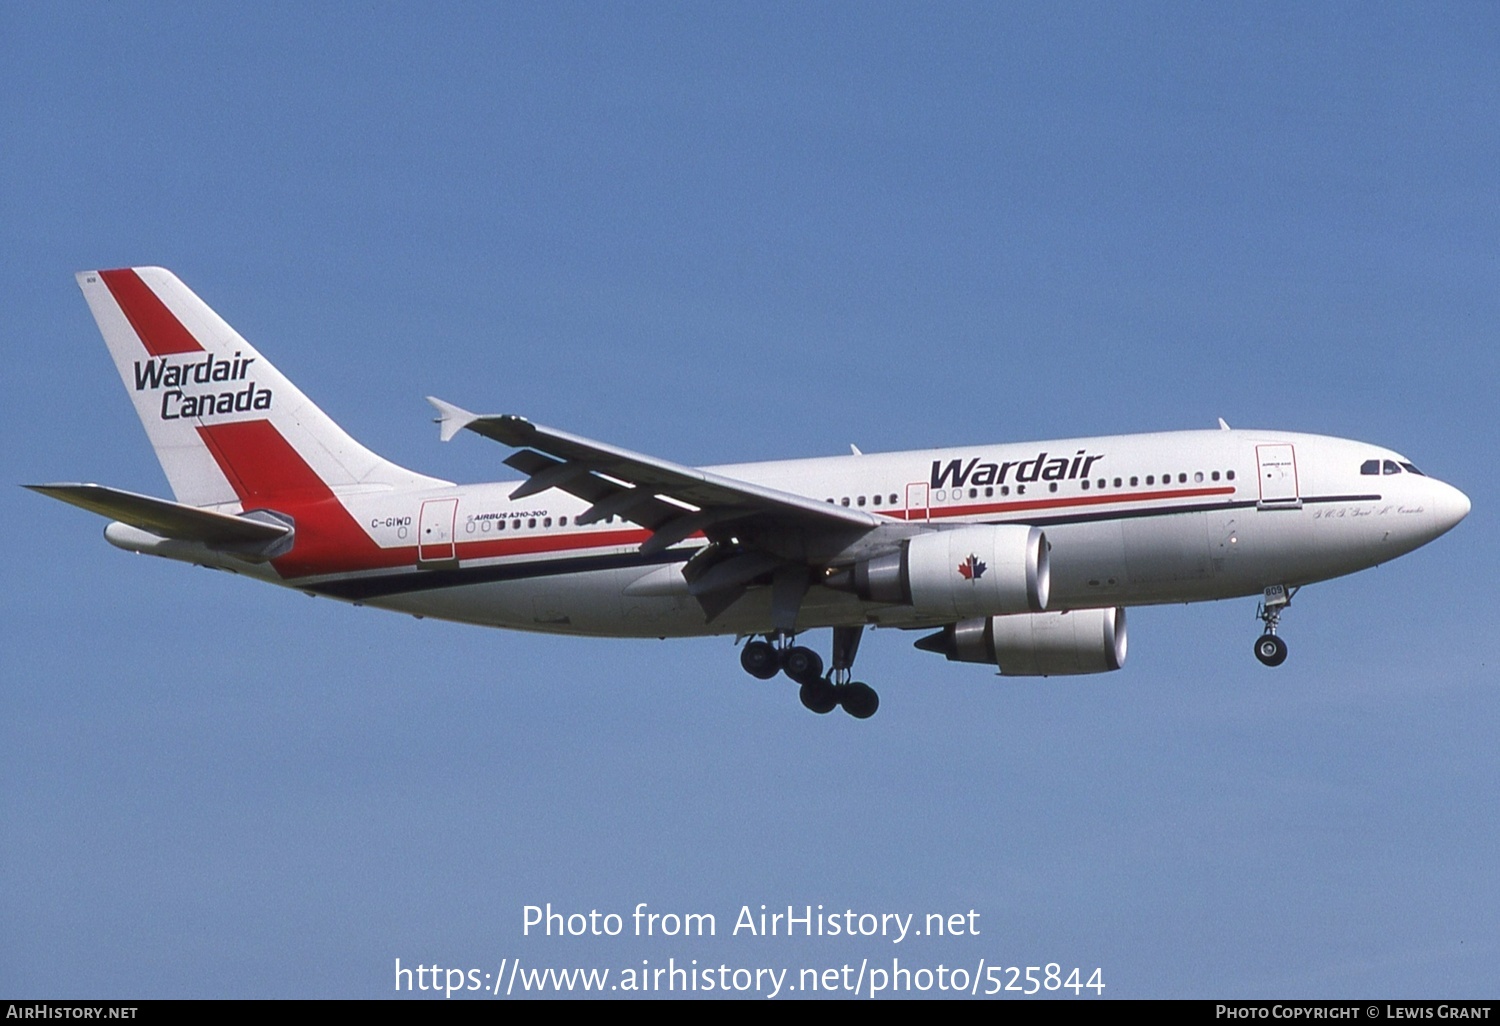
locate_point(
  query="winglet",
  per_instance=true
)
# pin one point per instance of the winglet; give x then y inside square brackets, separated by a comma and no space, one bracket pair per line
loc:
[1223,426]
[452,419]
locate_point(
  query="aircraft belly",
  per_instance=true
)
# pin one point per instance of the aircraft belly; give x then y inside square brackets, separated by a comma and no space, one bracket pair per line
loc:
[1087,564]
[582,603]
[622,602]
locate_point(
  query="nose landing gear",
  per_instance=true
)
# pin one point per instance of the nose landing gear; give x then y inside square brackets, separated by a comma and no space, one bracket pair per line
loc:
[818,692]
[1269,648]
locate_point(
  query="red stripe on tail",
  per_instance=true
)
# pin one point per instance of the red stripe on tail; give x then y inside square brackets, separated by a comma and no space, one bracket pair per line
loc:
[267,473]
[159,329]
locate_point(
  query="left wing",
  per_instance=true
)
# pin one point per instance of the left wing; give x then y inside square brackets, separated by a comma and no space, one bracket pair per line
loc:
[753,530]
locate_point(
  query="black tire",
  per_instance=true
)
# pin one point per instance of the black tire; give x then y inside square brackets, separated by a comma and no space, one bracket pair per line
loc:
[1270,650]
[819,696]
[760,659]
[803,665]
[859,700]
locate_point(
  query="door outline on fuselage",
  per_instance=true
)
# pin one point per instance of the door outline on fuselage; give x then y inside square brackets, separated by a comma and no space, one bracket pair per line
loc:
[436,534]
[1277,466]
[916,501]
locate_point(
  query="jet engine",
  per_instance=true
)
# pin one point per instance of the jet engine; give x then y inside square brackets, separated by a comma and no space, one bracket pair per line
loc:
[1037,644]
[968,571]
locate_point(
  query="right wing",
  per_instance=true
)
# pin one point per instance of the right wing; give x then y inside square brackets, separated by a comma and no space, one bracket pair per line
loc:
[754,531]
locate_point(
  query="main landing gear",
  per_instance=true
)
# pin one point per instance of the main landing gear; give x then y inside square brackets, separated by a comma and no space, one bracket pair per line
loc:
[1269,648]
[819,692]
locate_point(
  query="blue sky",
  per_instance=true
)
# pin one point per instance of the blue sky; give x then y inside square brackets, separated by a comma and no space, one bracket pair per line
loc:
[723,233]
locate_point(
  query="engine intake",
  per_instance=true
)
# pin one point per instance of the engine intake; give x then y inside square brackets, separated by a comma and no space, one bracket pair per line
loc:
[1037,644]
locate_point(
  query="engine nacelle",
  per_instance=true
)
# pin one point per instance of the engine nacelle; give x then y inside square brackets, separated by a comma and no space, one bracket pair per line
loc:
[1037,644]
[965,572]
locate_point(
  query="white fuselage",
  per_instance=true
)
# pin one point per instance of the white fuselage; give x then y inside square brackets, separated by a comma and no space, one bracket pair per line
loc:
[1131,520]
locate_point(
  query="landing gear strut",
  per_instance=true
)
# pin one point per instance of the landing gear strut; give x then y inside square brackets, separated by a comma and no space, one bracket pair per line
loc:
[818,692]
[1269,648]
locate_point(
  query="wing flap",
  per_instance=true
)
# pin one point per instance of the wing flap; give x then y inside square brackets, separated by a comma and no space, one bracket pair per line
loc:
[753,531]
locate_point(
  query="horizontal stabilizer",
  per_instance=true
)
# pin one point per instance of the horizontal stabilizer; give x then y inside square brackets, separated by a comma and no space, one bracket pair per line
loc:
[168,519]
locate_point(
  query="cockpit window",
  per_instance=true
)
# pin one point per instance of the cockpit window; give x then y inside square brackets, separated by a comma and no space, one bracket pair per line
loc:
[1389,467]
[1411,469]
[1370,467]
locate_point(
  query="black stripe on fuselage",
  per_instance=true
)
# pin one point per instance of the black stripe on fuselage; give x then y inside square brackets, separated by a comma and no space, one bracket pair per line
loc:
[381,585]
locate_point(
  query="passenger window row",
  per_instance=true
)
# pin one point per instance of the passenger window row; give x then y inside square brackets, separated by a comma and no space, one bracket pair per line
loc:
[528,523]
[989,492]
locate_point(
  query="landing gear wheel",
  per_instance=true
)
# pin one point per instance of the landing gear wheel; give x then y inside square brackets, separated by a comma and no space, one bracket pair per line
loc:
[1270,650]
[760,659]
[803,665]
[819,696]
[859,700]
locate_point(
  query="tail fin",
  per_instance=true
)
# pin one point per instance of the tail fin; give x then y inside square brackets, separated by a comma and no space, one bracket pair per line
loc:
[226,426]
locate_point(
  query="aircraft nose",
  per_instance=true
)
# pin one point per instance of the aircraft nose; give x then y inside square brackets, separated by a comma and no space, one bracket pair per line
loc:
[1449,506]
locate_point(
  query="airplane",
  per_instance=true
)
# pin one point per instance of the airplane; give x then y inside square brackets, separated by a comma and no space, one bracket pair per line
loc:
[1021,556]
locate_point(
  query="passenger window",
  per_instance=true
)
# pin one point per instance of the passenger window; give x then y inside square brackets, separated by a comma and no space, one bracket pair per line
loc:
[1101,482]
[1229,474]
[876,500]
[1052,487]
[562,521]
[1182,479]
[1214,476]
[1117,482]
[893,498]
[1198,476]
[845,500]
[1005,489]
[547,522]
[515,525]
[989,493]
[1084,484]
[860,501]
[531,522]
[1151,479]
[1134,481]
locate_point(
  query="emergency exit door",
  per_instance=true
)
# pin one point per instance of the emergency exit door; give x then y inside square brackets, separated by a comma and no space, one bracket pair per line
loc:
[435,543]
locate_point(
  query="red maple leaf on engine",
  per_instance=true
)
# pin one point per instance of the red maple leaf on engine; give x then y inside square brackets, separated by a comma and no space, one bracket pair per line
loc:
[971,569]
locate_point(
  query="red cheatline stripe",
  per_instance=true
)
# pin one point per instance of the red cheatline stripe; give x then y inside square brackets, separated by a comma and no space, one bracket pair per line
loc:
[265,471]
[159,329]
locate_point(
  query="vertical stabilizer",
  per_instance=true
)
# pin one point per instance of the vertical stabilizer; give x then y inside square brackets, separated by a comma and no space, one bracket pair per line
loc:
[226,426]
